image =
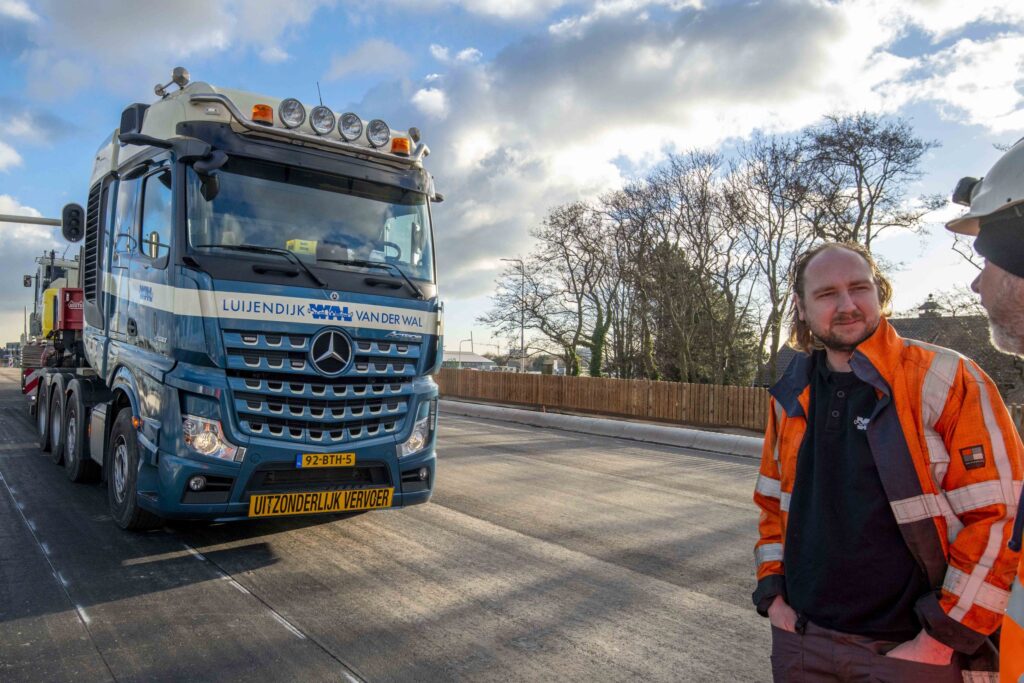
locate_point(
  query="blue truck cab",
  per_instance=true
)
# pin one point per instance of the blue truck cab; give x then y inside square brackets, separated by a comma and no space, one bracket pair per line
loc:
[261,315]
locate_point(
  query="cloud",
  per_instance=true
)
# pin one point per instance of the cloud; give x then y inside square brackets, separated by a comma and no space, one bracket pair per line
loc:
[20,244]
[975,81]
[31,124]
[941,18]
[129,44]
[468,56]
[505,10]
[377,57]
[556,116]
[440,53]
[9,157]
[432,102]
[18,10]
[274,55]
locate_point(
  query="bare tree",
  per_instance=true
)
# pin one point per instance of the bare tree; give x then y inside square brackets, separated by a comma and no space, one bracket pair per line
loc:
[559,288]
[703,236]
[772,188]
[862,166]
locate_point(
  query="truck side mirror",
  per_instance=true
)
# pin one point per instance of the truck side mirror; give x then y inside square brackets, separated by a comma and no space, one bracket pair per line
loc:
[72,222]
[26,280]
[209,187]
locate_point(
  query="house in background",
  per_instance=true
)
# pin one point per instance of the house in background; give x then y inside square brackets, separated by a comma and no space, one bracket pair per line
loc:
[966,334]
[466,360]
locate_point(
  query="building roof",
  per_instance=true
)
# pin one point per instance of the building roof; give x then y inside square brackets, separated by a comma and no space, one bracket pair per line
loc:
[966,334]
[465,357]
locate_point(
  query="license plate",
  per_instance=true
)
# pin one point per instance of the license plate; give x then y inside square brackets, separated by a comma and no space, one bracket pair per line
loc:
[325,460]
[277,504]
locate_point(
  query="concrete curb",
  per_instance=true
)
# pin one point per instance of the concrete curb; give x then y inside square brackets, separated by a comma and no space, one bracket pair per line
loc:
[694,439]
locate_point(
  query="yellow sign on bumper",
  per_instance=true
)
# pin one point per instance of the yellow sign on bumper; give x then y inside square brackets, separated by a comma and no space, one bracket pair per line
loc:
[277,504]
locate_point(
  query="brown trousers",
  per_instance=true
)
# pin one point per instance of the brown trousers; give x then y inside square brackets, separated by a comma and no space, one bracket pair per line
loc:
[819,654]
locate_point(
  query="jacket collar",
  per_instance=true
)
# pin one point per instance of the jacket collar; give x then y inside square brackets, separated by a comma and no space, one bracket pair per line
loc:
[873,361]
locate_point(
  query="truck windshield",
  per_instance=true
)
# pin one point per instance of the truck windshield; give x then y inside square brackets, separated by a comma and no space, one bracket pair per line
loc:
[324,219]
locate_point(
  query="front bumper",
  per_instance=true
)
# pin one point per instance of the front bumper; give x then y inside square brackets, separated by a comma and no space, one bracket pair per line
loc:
[272,470]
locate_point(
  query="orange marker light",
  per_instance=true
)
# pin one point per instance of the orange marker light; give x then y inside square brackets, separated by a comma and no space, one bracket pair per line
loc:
[263,113]
[136,422]
[400,146]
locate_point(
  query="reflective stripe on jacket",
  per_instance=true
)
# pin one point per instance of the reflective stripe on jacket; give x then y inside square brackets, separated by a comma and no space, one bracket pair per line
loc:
[950,461]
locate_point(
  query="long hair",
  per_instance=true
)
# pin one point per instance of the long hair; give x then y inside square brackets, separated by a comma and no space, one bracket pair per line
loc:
[800,335]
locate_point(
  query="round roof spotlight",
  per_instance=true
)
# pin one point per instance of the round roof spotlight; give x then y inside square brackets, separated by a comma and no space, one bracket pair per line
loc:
[378,133]
[321,119]
[350,126]
[291,112]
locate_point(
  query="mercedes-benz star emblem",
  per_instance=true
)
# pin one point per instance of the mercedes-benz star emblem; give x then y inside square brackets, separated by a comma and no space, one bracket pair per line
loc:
[330,352]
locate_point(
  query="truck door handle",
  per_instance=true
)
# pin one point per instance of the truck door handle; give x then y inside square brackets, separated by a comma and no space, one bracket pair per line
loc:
[133,329]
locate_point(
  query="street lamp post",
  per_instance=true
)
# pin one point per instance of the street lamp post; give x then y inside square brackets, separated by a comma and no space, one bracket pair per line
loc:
[522,312]
[460,349]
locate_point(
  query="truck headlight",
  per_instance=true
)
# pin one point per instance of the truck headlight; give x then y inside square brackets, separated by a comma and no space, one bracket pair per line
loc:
[418,440]
[206,437]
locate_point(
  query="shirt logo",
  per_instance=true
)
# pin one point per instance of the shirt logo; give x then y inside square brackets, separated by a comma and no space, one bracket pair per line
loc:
[973,457]
[861,423]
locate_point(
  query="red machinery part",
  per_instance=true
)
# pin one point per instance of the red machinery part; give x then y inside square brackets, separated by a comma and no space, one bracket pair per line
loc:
[70,311]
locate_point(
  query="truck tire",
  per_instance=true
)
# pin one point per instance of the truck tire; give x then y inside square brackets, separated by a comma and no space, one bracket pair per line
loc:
[43,416]
[123,460]
[56,421]
[78,466]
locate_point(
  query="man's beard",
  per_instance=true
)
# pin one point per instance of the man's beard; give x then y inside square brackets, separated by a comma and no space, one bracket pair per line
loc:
[1005,338]
[835,343]
[1006,316]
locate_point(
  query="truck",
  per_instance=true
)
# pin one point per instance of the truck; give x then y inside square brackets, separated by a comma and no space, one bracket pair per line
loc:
[252,322]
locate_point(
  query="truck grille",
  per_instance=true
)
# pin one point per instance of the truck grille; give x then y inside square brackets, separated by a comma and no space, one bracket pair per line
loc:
[283,478]
[278,394]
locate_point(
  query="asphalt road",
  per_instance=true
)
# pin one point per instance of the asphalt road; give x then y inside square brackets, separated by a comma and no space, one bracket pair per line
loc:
[543,555]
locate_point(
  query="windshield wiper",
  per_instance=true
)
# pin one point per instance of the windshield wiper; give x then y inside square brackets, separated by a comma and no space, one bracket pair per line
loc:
[377,264]
[259,249]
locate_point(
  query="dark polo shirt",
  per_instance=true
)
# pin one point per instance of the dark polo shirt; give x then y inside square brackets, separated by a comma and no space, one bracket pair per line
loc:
[847,566]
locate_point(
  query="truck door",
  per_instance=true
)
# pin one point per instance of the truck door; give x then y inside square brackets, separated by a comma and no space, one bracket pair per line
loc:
[149,321]
[121,257]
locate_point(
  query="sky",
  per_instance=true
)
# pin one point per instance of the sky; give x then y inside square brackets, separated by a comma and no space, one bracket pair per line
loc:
[525,104]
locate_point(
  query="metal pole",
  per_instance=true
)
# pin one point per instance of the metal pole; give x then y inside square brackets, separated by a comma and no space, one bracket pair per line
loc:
[29,220]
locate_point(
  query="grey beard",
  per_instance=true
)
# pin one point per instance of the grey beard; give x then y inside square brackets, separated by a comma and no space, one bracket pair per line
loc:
[1004,339]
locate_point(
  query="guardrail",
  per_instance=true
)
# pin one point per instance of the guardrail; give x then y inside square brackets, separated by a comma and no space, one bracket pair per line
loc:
[702,405]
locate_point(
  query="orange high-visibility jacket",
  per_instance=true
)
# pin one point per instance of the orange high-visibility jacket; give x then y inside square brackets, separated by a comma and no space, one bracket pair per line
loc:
[1011,639]
[950,462]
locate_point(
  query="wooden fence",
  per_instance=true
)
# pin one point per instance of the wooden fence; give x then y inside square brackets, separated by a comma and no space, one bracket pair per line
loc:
[703,405]
[692,404]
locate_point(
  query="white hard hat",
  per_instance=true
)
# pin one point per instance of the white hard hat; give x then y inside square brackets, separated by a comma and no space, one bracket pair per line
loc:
[1000,189]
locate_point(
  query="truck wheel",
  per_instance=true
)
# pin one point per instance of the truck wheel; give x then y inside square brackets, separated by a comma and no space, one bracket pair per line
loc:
[123,460]
[43,417]
[57,427]
[78,466]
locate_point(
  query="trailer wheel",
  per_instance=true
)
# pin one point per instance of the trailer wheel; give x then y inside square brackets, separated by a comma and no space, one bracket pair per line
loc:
[123,460]
[78,466]
[56,427]
[42,416]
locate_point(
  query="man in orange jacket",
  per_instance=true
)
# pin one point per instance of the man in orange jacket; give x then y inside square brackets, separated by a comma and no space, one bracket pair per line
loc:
[888,485]
[996,218]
